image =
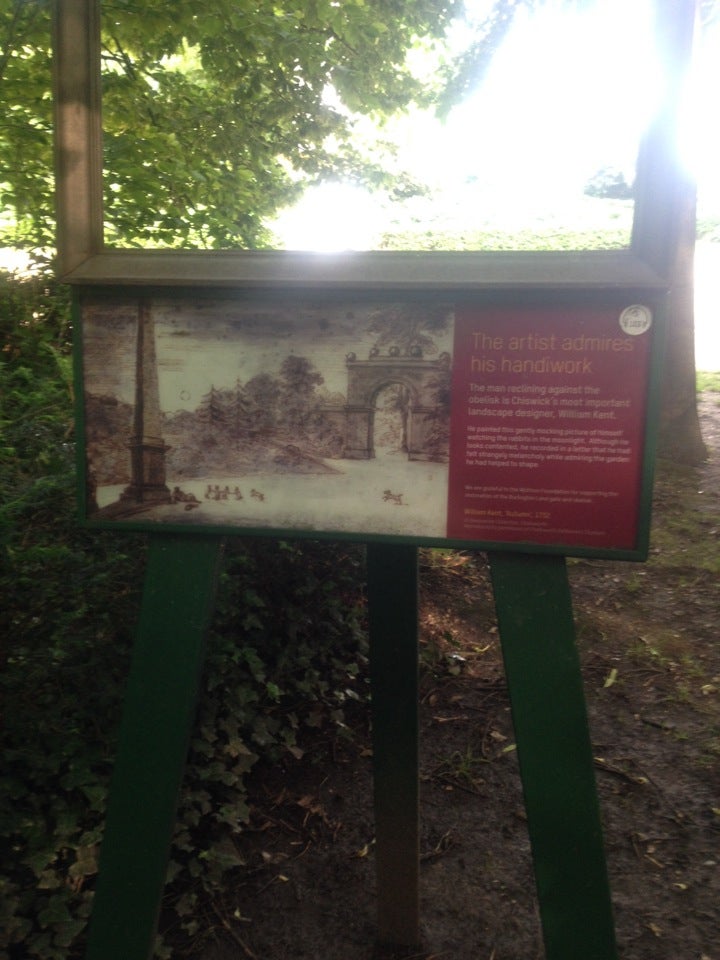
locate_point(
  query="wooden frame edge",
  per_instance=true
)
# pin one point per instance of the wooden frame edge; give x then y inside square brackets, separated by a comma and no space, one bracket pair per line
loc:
[78,132]
[377,270]
[79,192]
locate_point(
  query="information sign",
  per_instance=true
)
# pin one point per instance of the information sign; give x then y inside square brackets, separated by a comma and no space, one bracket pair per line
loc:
[417,419]
[548,425]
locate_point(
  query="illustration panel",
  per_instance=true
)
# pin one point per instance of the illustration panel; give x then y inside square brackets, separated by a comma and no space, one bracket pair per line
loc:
[297,416]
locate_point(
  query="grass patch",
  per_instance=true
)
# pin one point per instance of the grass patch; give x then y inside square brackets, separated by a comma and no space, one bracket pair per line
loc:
[708,381]
[682,527]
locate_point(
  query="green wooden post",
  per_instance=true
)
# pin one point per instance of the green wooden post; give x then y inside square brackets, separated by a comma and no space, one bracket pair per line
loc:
[392,574]
[157,720]
[532,597]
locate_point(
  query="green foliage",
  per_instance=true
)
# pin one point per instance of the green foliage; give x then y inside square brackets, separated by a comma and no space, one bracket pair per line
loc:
[538,238]
[707,381]
[211,118]
[35,407]
[708,228]
[287,653]
[286,656]
[26,159]
[66,597]
[687,527]
[610,183]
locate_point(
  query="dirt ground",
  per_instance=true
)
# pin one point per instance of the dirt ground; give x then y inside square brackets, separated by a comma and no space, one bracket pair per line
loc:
[651,666]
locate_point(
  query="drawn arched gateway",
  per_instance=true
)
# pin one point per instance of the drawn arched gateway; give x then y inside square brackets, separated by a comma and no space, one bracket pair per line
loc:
[423,380]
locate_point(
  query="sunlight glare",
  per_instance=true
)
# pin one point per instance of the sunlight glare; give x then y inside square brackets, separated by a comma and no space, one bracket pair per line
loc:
[699,136]
[330,218]
[568,93]
[15,261]
[559,102]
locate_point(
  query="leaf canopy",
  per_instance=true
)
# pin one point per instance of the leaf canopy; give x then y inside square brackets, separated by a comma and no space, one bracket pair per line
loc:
[213,116]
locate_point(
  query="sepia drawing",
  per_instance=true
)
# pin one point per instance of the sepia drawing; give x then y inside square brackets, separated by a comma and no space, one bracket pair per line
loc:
[307,416]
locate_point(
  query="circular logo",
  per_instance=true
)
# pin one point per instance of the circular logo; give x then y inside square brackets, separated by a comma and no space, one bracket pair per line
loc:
[636,319]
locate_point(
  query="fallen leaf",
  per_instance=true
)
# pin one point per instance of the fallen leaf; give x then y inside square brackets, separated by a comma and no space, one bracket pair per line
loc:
[363,851]
[611,678]
[273,857]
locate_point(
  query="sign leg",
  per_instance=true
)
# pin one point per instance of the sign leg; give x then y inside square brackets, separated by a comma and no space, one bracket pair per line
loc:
[392,572]
[532,597]
[158,714]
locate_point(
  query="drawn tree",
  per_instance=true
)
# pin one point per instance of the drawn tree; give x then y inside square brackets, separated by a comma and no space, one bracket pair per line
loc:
[438,436]
[239,412]
[298,400]
[409,327]
[212,412]
[261,395]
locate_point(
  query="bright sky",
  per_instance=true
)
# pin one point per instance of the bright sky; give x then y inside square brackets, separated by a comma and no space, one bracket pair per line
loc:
[701,135]
[552,108]
[567,94]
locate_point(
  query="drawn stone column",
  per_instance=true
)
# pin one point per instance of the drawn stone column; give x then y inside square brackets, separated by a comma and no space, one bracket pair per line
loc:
[358,413]
[147,447]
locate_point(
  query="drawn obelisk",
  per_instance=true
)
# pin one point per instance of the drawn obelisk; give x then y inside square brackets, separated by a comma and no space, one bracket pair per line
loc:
[147,447]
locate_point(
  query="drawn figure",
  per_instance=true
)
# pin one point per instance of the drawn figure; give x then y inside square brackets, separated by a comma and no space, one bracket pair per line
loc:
[256,494]
[208,492]
[396,498]
[179,496]
[237,493]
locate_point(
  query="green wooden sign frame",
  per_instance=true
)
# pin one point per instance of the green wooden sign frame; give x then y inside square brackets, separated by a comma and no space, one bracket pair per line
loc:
[530,580]
[640,273]
[293,492]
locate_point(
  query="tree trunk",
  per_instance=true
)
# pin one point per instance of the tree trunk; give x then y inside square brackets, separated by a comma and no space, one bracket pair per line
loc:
[680,438]
[664,231]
